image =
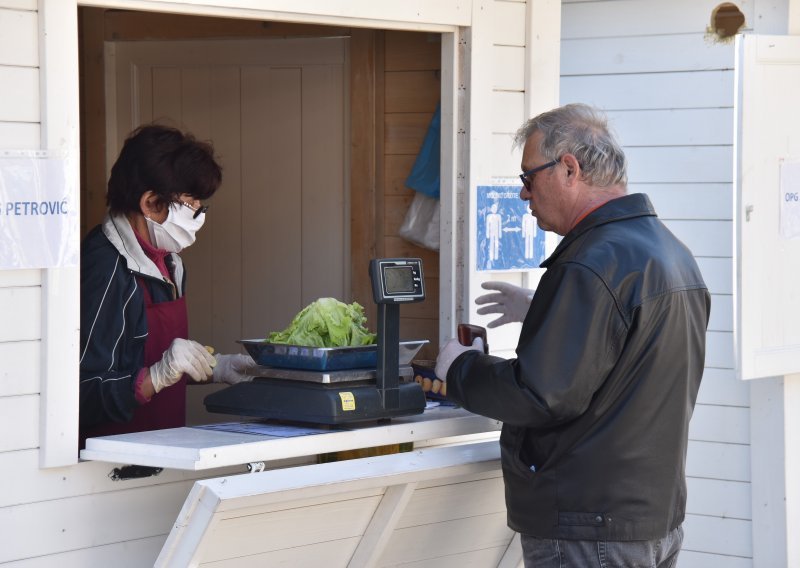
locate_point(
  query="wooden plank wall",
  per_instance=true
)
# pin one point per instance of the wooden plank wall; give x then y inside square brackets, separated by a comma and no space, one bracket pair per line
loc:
[20,290]
[409,65]
[99,25]
[500,112]
[668,90]
[79,516]
[394,91]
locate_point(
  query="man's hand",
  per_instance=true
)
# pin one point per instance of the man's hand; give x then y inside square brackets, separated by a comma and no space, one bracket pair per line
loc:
[512,302]
[450,351]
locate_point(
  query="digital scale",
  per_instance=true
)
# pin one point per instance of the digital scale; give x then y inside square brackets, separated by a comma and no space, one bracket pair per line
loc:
[338,385]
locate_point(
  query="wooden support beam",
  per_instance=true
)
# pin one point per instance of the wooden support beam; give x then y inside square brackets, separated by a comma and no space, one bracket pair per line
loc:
[382,525]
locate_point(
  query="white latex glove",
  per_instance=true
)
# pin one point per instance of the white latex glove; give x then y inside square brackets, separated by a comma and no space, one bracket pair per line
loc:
[183,356]
[233,369]
[509,300]
[451,350]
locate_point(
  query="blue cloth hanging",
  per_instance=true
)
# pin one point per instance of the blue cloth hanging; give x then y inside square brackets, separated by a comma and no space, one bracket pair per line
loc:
[424,176]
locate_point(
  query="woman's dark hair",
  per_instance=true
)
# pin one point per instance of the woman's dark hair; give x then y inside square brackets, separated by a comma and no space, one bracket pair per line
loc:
[166,161]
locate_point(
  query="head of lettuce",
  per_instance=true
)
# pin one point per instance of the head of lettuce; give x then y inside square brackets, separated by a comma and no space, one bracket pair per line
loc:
[327,323]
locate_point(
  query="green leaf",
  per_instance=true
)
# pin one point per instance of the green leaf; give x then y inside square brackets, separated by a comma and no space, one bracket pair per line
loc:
[327,323]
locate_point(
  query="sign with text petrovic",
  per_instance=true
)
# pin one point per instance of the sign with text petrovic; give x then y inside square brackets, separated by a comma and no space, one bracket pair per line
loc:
[38,212]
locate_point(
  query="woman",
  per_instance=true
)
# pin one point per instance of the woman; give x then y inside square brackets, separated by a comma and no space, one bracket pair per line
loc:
[135,350]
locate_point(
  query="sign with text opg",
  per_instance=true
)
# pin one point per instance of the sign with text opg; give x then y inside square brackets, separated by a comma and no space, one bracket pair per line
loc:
[39,221]
[790,199]
[507,235]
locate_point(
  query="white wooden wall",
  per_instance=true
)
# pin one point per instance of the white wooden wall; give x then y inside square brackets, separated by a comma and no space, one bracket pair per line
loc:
[524,51]
[669,93]
[668,90]
[20,290]
[76,516]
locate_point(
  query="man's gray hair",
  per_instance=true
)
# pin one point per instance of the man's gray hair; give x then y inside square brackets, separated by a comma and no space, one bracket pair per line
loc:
[583,131]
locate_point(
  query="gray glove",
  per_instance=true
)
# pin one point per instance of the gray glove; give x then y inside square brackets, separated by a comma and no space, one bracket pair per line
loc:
[183,356]
[233,369]
[451,350]
[509,300]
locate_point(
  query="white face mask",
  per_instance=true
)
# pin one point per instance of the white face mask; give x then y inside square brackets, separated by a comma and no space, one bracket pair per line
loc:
[178,231]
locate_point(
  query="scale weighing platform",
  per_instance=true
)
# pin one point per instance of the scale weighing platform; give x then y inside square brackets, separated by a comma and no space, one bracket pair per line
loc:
[338,385]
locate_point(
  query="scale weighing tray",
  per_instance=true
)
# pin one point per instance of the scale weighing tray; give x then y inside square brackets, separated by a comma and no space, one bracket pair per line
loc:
[285,356]
[326,377]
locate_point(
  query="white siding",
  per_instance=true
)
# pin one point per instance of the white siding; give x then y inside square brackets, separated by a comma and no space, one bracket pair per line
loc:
[668,91]
[18,43]
[40,509]
[23,293]
[507,64]
[525,50]
[19,98]
[670,94]
[20,290]
[20,371]
[29,5]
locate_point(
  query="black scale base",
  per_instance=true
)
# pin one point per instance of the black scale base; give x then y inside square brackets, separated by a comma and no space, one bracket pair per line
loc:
[316,403]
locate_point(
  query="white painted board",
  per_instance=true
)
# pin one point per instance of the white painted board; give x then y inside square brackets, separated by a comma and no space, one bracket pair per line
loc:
[18,38]
[259,513]
[766,263]
[19,97]
[196,448]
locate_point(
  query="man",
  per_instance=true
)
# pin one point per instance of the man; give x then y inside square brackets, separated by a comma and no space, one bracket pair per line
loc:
[596,406]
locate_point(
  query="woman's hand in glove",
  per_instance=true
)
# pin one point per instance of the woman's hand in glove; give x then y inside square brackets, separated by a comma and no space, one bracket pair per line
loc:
[233,369]
[450,352]
[509,300]
[183,356]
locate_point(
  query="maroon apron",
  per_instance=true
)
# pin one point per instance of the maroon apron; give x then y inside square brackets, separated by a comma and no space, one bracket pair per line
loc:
[167,409]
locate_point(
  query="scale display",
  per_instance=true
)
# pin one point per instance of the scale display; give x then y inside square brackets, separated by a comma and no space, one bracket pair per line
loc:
[397,280]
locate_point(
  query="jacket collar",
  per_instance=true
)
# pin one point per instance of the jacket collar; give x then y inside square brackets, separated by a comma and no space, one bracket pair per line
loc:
[625,207]
[119,231]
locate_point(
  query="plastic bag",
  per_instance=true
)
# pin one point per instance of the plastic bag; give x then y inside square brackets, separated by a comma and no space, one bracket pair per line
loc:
[421,225]
[424,176]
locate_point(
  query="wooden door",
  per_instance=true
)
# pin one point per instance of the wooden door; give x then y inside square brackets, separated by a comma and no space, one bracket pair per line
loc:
[276,234]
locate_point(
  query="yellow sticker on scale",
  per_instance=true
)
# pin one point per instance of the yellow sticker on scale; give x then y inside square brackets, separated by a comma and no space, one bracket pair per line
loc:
[348,400]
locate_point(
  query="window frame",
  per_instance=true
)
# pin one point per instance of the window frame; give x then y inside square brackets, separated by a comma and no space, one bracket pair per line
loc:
[60,127]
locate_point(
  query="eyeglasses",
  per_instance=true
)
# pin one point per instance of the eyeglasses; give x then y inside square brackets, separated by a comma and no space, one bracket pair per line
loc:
[197,210]
[526,176]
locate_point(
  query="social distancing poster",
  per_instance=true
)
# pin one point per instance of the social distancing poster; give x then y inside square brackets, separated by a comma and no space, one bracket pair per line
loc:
[790,199]
[508,237]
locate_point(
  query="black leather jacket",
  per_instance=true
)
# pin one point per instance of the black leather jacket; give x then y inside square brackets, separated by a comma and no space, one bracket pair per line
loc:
[596,406]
